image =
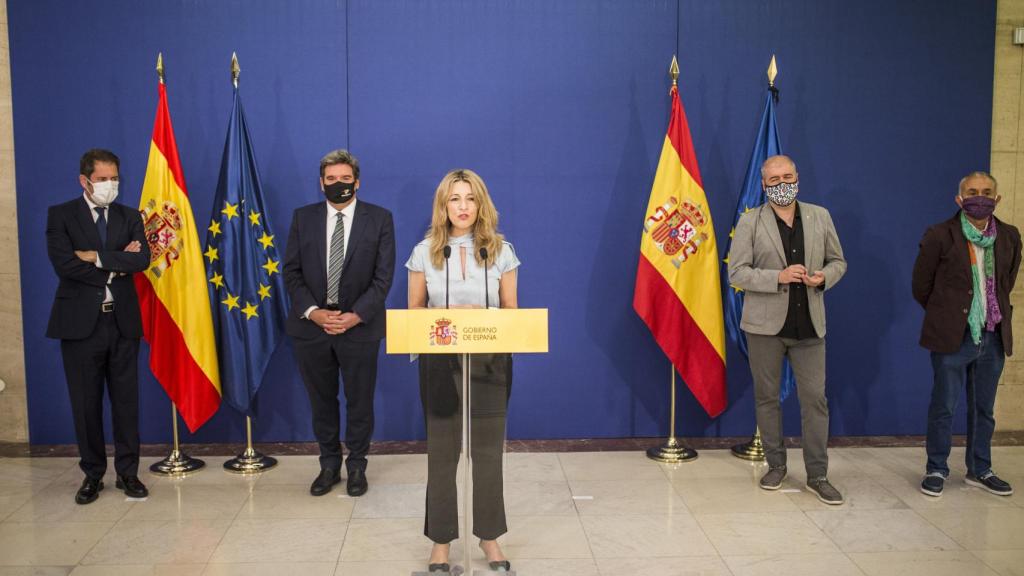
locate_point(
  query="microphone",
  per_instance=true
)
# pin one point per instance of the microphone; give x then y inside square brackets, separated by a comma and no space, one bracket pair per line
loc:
[487,297]
[447,255]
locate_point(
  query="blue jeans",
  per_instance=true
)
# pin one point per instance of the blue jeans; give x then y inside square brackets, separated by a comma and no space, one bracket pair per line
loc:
[979,366]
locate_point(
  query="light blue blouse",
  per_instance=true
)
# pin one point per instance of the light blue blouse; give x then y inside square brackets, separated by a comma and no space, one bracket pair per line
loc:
[461,291]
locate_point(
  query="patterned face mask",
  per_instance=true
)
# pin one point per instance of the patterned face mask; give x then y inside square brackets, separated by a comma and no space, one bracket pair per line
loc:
[783,193]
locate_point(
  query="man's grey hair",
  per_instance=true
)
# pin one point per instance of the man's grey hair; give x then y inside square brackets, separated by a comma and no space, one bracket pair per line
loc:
[339,156]
[978,174]
[774,159]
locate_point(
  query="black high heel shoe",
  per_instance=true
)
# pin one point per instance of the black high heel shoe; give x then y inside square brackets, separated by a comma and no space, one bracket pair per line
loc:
[502,566]
[439,569]
[496,565]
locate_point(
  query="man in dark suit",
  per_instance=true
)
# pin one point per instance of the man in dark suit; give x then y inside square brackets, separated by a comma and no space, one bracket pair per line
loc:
[95,246]
[338,267]
[964,273]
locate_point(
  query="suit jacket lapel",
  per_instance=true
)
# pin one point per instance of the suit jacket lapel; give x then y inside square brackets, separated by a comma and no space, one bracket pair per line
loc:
[812,239]
[83,215]
[1003,249]
[319,228]
[772,229]
[963,247]
[358,227]
[114,224]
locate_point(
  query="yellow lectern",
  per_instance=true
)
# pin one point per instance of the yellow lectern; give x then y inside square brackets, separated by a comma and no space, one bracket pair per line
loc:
[467,331]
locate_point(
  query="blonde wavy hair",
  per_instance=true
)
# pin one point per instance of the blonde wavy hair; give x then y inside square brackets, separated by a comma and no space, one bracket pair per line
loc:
[485,229]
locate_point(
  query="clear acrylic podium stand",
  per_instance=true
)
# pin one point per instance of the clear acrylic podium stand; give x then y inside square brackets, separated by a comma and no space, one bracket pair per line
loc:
[466,331]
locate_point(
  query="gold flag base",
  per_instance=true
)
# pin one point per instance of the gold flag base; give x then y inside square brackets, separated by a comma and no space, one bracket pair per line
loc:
[672,452]
[753,450]
[177,464]
[250,462]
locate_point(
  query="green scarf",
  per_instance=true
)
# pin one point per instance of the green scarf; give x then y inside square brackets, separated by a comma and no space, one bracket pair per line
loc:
[977,315]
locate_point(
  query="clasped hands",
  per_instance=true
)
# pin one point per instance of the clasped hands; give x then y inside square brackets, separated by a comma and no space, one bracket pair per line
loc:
[334,321]
[91,255]
[798,274]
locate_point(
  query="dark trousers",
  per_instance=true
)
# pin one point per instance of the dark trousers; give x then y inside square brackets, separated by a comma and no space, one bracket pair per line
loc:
[807,357]
[441,395]
[320,360]
[978,366]
[104,357]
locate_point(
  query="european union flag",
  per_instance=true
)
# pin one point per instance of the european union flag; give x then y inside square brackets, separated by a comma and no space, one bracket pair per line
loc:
[751,196]
[243,271]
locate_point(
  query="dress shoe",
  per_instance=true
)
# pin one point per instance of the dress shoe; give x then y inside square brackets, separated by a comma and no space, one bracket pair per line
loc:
[89,491]
[132,486]
[324,482]
[439,560]
[357,484]
[500,566]
[496,565]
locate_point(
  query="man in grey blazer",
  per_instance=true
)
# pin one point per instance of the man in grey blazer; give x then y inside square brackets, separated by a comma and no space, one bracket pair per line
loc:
[784,256]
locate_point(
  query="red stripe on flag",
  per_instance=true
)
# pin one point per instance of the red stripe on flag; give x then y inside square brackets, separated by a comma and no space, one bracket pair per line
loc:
[171,362]
[680,338]
[163,137]
[679,134]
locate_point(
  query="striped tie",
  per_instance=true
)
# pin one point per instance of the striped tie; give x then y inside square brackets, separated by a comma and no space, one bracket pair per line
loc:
[337,259]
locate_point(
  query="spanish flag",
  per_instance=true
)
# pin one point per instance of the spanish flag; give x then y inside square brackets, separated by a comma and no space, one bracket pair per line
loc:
[176,317]
[678,289]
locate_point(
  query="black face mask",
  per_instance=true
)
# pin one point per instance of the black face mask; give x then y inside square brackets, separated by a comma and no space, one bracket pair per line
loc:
[340,192]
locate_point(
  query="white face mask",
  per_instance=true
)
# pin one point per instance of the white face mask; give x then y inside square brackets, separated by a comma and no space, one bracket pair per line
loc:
[103,193]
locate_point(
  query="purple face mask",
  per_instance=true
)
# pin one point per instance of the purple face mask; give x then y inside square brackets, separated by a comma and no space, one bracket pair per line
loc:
[978,207]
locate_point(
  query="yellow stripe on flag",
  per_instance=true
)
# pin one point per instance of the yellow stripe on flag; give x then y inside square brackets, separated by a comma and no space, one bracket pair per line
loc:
[181,286]
[673,185]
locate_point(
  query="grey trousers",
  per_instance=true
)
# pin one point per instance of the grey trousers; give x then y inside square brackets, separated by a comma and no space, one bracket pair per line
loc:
[441,395]
[807,357]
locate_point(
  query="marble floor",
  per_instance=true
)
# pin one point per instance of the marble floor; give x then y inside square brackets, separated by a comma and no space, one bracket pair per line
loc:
[570,514]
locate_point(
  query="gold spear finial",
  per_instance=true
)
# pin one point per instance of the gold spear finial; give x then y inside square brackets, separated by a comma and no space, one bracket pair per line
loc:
[160,66]
[673,70]
[235,70]
[773,71]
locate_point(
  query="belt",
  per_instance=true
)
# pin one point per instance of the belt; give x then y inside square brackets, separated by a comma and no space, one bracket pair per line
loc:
[107,307]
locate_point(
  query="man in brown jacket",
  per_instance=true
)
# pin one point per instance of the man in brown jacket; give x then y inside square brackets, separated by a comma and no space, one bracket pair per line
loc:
[965,270]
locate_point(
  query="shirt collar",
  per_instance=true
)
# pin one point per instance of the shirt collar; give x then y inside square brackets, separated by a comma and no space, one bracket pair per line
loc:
[464,240]
[348,211]
[795,217]
[92,205]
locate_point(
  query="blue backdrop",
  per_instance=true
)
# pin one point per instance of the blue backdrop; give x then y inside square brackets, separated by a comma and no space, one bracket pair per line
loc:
[561,106]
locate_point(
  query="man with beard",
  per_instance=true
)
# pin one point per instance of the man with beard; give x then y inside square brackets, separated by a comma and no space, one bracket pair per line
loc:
[784,255]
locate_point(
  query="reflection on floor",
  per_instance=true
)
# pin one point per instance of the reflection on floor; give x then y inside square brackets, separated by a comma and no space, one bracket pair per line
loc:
[570,514]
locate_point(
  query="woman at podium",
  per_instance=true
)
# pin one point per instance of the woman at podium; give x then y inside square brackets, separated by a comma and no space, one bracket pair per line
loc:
[464,262]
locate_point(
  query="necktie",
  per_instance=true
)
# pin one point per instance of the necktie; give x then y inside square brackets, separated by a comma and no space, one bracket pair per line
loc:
[101,225]
[336,260]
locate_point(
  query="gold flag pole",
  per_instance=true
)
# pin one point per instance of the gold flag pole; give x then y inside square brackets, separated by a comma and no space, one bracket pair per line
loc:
[754,449]
[672,451]
[177,463]
[235,69]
